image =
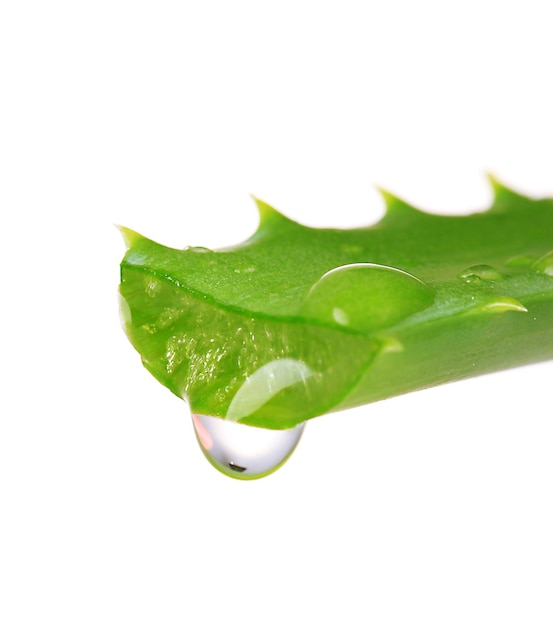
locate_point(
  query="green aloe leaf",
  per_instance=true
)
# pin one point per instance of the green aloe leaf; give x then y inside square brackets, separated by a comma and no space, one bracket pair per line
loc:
[296,321]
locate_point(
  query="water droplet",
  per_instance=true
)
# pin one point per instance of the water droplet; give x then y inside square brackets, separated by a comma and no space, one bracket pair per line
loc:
[390,344]
[366,296]
[503,303]
[521,260]
[199,249]
[125,314]
[243,451]
[340,316]
[265,383]
[480,272]
[544,264]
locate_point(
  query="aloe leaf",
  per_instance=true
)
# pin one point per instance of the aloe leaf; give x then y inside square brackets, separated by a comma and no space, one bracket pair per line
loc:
[297,321]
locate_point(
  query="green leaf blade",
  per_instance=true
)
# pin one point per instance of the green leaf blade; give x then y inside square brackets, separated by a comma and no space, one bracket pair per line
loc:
[296,321]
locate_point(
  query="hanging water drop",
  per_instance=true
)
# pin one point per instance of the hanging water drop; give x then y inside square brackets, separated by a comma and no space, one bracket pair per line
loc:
[243,451]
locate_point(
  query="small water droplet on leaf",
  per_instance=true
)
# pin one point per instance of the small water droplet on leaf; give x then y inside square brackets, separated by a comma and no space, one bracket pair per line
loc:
[500,304]
[198,249]
[366,296]
[474,273]
[544,264]
[521,261]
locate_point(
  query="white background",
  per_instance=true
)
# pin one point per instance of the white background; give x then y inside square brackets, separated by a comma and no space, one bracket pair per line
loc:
[432,508]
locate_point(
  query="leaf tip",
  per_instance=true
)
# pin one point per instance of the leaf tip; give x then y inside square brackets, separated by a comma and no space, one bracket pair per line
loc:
[269,215]
[503,194]
[396,207]
[130,237]
[387,196]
